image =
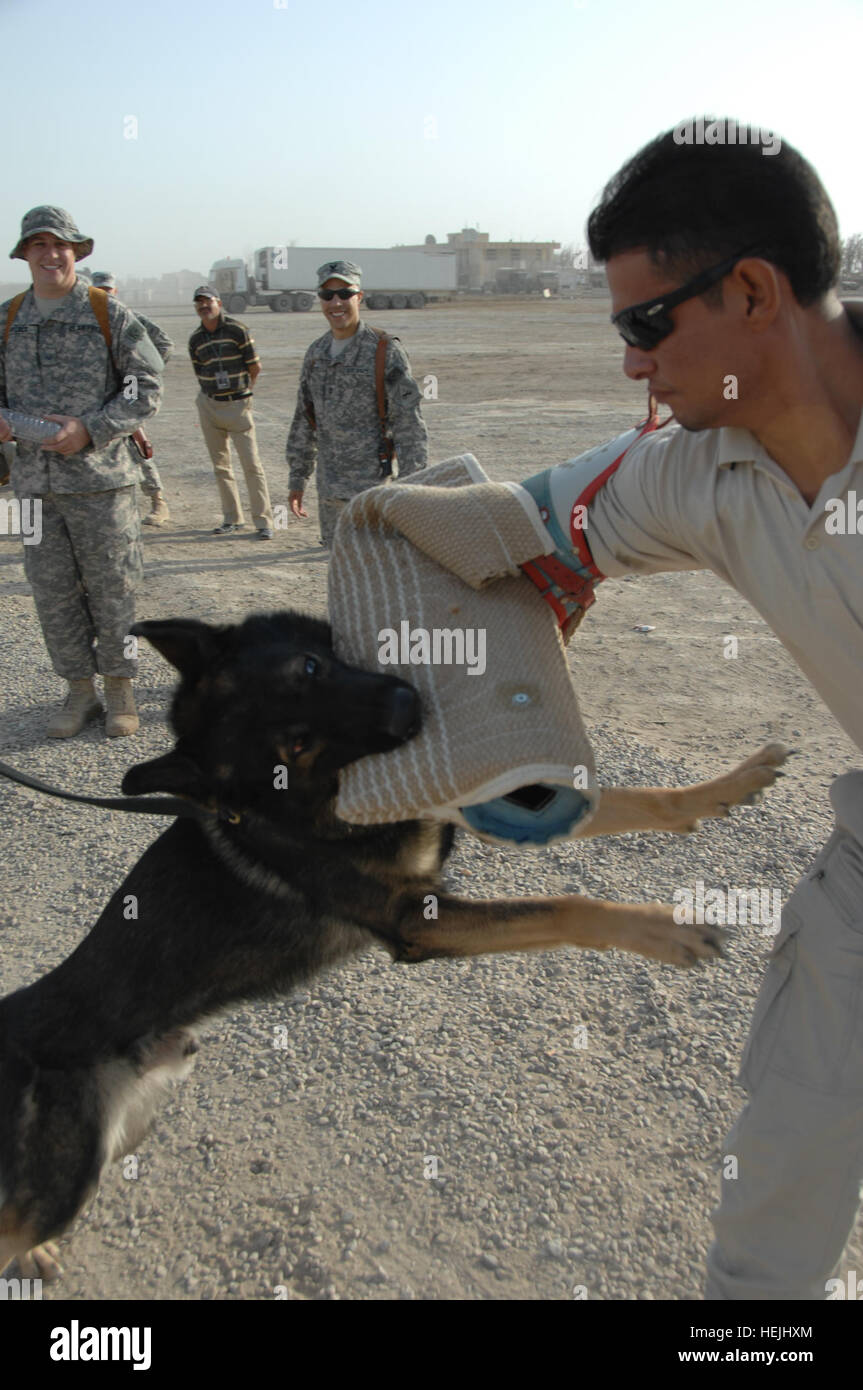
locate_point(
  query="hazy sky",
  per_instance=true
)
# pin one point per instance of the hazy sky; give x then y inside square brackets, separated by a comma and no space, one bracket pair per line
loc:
[259,122]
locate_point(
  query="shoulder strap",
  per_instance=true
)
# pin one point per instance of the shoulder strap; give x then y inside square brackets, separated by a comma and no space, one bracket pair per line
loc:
[14,306]
[380,370]
[99,305]
[380,365]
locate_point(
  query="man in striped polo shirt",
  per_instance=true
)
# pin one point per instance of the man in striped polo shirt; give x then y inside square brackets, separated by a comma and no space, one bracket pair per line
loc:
[226,365]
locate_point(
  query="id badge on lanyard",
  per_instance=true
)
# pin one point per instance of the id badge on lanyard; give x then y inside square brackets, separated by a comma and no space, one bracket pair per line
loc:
[223,380]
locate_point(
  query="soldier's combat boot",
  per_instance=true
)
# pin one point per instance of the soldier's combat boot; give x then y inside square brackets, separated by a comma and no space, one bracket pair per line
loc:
[122,717]
[81,706]
[159,513]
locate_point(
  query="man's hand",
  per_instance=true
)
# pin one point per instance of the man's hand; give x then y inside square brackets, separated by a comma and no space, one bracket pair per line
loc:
[295,502]
[73,437]
[6,431]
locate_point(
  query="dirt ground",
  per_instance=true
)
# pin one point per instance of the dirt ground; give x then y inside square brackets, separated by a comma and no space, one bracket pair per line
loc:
[564,1170]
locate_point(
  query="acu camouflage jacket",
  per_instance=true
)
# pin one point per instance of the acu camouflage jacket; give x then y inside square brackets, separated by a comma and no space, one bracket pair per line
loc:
[341,392]
[61,366]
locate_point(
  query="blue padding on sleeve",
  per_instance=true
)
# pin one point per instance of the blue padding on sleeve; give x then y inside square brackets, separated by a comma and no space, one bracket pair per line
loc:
[539,488]
[508,821]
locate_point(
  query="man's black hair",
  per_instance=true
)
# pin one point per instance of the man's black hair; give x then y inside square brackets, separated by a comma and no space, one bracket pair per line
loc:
[693,205]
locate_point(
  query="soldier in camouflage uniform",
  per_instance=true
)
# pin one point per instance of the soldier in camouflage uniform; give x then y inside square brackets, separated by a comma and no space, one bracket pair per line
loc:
[336,420]
[85,570]
[151,483]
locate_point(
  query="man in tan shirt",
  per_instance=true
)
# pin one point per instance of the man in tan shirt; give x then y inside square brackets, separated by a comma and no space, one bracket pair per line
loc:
[722,261]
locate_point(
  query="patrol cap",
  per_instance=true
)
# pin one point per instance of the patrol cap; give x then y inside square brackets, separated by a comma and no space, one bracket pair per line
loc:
[206,292]
[50,219]
[340,270]
[104,280]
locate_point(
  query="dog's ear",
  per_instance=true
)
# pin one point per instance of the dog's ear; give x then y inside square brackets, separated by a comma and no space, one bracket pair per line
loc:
[173,772]
[188,644]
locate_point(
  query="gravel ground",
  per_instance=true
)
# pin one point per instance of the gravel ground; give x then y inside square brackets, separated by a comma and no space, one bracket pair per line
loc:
[571,1104]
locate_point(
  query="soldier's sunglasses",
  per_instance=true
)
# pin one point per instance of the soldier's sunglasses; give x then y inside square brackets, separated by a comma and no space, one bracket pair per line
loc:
[331,294]
[646,324]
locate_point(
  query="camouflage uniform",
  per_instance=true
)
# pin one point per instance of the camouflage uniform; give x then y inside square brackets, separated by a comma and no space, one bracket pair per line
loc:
[85,570]
[160,340]
[341,392]
[150,480]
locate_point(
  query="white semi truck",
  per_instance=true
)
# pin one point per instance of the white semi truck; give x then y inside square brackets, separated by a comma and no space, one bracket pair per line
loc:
[284,277]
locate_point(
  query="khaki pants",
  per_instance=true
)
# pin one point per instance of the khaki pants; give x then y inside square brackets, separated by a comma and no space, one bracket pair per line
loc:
[222,422]
[785,1217]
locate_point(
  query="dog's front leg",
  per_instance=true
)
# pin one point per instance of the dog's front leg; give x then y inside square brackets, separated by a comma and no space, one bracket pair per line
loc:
[441,925]
[682,809]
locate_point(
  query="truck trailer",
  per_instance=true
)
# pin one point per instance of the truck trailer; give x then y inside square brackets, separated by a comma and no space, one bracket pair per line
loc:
[285,277]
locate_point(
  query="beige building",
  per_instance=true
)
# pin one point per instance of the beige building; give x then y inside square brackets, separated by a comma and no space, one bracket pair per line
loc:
[502,266]
[506,266]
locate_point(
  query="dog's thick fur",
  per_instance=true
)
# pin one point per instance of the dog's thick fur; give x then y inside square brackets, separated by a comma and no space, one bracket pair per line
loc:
[247,905]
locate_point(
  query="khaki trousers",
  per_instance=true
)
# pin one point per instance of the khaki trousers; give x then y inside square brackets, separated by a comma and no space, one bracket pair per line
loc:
[790,1199]
[222,422]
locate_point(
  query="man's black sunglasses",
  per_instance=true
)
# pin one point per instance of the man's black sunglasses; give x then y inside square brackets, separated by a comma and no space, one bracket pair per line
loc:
[644,325]
[331,294]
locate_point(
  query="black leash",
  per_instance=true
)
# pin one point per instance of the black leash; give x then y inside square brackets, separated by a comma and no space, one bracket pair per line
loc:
[140,805]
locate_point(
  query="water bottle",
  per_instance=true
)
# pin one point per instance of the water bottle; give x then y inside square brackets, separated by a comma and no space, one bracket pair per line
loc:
[30,427]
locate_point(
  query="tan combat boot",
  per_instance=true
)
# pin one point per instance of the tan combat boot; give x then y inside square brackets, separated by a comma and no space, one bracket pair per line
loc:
[81,706]
[122,715]
[159,510]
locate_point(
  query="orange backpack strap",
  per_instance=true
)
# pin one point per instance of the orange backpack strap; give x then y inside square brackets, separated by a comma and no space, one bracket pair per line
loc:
[386,448]
[99,305]
[14,306]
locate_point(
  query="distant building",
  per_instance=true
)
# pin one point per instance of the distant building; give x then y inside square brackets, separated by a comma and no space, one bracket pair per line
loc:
[504,267]
[176,287]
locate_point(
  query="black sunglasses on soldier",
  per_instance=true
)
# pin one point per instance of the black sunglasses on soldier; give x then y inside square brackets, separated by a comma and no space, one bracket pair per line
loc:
[646,324]
[331,294]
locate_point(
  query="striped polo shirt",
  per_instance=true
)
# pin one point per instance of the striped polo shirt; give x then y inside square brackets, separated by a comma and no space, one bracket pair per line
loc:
[229,348]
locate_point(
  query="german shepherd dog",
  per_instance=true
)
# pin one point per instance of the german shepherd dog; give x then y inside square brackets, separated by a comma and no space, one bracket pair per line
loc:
[257,893]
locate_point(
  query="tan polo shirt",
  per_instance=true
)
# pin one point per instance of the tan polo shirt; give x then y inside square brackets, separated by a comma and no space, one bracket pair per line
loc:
[716,500]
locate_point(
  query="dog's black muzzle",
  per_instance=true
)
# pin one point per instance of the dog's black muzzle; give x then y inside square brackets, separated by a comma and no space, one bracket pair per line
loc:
[401,717]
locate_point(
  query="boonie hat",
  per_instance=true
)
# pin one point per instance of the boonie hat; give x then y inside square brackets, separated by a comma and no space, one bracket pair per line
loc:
[51,219]
[341,270]
[206,292]
[104,280]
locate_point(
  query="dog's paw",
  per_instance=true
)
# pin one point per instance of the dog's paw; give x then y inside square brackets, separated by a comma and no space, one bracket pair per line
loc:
[652,932]
[173,1053]
[743,786]
[42,1262]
